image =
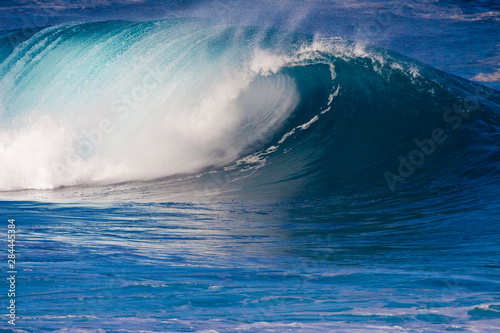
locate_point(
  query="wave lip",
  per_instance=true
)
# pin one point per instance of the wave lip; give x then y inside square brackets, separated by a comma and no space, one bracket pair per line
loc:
[108,102]
[116,101]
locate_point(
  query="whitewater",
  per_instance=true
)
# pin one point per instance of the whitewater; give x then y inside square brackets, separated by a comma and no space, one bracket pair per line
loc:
[172,170]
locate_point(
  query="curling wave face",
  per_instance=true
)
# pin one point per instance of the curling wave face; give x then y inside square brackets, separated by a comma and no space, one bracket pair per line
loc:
[109,102]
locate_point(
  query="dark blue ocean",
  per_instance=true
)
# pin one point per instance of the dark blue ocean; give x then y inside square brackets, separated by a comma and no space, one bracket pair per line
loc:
[230,166]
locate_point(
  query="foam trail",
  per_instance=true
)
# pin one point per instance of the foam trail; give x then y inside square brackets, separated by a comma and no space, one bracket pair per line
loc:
[116,101]
[110,102]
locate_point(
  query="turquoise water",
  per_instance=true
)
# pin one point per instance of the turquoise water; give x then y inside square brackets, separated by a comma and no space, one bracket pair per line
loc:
[250,267]
[188,175]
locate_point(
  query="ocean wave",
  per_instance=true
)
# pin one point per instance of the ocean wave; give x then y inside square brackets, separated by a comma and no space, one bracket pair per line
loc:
[108,102]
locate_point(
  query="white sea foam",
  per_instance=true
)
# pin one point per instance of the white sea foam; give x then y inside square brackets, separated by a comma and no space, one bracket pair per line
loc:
[145,102]
[82,112]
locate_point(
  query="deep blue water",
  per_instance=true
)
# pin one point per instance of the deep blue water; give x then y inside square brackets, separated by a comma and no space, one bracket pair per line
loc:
[267,167]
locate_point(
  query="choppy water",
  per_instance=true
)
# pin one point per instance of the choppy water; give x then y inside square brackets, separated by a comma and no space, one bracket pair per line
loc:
[191,174]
